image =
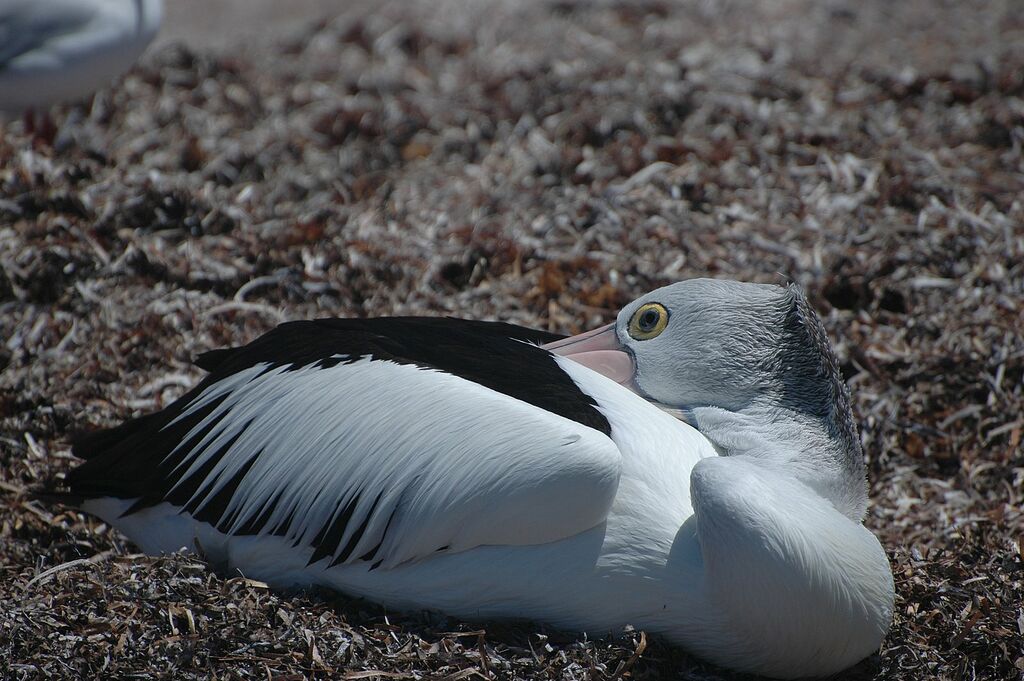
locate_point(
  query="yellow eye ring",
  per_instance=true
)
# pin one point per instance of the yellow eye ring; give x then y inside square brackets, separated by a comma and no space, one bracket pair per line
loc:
[648,321]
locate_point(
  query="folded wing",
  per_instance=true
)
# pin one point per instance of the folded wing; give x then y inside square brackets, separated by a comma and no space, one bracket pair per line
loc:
[358,447]
[27,25]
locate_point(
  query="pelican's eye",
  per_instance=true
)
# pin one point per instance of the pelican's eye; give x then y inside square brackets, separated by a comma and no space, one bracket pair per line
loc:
[648,321]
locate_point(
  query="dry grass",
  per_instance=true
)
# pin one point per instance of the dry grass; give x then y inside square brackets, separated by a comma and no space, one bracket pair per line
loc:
[540,163]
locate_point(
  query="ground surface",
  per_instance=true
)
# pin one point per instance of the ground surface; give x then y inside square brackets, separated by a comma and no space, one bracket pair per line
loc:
[540,163]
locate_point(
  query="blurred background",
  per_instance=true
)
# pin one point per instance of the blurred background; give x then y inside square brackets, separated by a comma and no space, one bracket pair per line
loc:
[226,23]
[539,162]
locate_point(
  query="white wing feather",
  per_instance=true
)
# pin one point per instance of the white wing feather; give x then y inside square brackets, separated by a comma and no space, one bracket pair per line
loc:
[432,461]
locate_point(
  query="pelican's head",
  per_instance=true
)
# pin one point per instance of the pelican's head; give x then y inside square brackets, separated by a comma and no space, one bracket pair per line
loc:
[749,365]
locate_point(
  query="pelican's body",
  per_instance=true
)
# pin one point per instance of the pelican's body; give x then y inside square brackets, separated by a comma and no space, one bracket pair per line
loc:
[458,466]
[54,51]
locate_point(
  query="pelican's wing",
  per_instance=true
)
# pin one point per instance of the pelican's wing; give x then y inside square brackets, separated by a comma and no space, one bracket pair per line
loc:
[380,440]
[27,25]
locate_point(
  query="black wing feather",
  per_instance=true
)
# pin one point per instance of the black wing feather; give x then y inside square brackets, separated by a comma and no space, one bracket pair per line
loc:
[212,359]
[138,458]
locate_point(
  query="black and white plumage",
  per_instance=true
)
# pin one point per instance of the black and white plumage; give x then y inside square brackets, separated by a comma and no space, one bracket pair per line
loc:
[692,469]
[377,505]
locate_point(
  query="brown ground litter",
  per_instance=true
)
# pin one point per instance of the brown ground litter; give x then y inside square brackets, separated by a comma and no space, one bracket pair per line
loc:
[541,163]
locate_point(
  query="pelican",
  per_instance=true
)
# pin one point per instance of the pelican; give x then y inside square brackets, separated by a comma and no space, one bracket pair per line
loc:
[54,51]
[692,469]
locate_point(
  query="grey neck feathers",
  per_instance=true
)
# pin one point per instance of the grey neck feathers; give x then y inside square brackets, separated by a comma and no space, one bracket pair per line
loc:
[802,419]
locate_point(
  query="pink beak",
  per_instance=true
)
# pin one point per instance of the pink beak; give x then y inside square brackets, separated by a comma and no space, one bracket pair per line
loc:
[599,350]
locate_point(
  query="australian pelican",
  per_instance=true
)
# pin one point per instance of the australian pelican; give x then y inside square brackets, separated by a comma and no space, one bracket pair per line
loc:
[692,469]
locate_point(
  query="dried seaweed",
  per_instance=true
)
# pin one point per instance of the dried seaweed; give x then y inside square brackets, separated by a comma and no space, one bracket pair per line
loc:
[540,163]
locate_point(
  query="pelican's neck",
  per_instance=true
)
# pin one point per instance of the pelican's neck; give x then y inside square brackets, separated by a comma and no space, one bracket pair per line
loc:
[148,15]
[822,451]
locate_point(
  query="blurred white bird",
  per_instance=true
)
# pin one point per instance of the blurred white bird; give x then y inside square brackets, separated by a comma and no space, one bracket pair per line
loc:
[55,51]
